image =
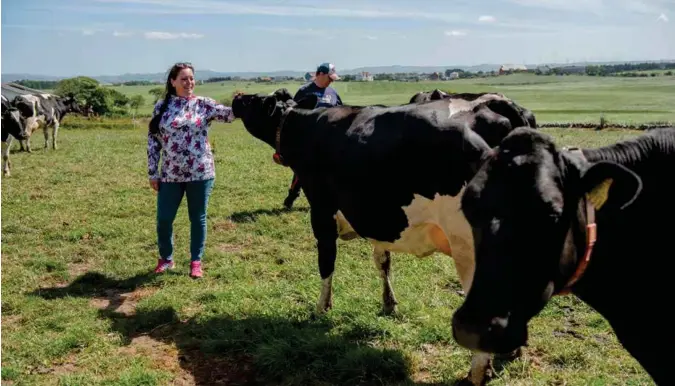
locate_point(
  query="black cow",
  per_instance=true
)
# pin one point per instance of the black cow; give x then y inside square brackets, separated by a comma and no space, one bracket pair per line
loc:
[44,110]
[493,117]
[536,211]
[391,175]
[495,102]
[13,126]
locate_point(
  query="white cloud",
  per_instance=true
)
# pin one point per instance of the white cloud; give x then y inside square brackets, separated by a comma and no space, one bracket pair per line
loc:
[663,17]
[641,6]
[122,34]
[294,31]
[594,6]
[199,7]
[455,33]
[88,32]
[154,35]
[369,37]
[487,19]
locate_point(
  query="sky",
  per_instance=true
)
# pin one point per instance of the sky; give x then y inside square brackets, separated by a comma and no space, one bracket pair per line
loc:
[110,37]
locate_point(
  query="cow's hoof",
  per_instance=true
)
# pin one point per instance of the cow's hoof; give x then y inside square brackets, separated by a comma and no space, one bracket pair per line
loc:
[467,382]
[322,308]
[389,309]
[476,379]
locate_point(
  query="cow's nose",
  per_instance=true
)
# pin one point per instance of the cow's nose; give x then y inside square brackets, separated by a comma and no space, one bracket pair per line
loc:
[498,325]
[464,333]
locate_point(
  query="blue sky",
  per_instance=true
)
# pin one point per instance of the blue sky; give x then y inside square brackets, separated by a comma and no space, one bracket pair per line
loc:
[106,37]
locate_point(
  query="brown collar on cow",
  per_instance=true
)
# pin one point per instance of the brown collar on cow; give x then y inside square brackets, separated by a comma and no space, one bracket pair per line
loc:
[277,157]
[591,236]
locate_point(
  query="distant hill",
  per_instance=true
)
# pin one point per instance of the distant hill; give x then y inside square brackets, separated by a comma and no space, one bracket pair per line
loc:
[206,74]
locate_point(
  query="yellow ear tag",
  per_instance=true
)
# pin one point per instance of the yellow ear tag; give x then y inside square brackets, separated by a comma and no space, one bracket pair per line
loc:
[598,196]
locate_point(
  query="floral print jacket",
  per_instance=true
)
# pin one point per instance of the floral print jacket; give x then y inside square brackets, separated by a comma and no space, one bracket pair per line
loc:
[182,140]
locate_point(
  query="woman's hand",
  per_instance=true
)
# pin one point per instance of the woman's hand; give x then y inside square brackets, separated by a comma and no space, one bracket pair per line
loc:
[154,184]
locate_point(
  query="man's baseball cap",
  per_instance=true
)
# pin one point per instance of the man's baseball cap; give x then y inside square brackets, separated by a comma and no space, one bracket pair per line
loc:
[328,68]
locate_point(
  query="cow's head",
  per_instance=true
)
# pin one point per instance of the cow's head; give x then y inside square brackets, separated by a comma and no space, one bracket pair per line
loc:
[72,105]
[261,113]
[526,208]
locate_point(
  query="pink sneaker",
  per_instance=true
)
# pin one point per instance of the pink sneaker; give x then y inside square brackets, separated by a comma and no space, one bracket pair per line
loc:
[196,269]
[163,265]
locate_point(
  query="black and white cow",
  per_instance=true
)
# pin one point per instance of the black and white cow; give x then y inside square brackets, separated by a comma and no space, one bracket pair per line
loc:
[391,175]
[596,223]
[44,111]
[13,126]
[495,102]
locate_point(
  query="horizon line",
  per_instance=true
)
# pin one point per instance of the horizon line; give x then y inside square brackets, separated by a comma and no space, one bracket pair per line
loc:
[350,69]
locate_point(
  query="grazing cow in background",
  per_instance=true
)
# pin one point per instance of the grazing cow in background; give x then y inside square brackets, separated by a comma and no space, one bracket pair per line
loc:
[46,110]
[391,175]
[495,102]
[597,223]
[13,126]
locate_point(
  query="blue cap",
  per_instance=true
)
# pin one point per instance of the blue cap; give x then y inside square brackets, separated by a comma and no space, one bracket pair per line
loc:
[328,68]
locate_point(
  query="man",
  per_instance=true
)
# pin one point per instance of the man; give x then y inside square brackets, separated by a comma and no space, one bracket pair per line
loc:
[326,97]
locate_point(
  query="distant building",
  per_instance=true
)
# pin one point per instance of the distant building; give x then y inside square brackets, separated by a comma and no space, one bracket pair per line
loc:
[365,77]
[454,75]
[545,70]
[504,68]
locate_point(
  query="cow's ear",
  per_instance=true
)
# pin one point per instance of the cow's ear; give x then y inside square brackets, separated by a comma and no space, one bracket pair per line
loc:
[269,105]
[608,184]
[283,95]
[437,94]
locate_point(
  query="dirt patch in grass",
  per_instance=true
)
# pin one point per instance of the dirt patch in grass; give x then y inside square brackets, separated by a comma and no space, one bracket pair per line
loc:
[229,248]
[121,302]
[188,364]
[163,356]
[224,225]
[217,370]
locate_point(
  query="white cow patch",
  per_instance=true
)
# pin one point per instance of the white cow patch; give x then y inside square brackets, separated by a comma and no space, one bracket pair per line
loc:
[436,225]
[458,105]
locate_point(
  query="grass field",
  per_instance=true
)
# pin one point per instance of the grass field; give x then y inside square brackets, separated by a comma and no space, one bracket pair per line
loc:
[79,306]
[551,98]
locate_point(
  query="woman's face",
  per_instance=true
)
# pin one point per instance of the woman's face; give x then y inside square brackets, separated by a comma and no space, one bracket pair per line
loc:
[184,82]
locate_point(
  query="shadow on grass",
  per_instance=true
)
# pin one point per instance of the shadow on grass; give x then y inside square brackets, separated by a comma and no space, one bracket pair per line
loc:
[253,349]
[252,215]
[93,284]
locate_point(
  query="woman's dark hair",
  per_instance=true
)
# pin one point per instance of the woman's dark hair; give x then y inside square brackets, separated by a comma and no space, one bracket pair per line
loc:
[168,91]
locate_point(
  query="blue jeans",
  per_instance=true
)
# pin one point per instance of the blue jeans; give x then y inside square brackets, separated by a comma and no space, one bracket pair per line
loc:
[169,198]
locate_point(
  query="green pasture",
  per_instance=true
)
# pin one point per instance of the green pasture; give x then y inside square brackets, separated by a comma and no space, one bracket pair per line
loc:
[562,99]
[80,306]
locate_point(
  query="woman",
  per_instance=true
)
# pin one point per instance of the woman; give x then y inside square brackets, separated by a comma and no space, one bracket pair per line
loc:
[178,131]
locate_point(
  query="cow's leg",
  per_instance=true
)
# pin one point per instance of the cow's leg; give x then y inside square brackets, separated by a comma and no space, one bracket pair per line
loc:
[45,131]
[325,232]
[27,148]
[480,364]
[5,156]
[55,132]
[382,260]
